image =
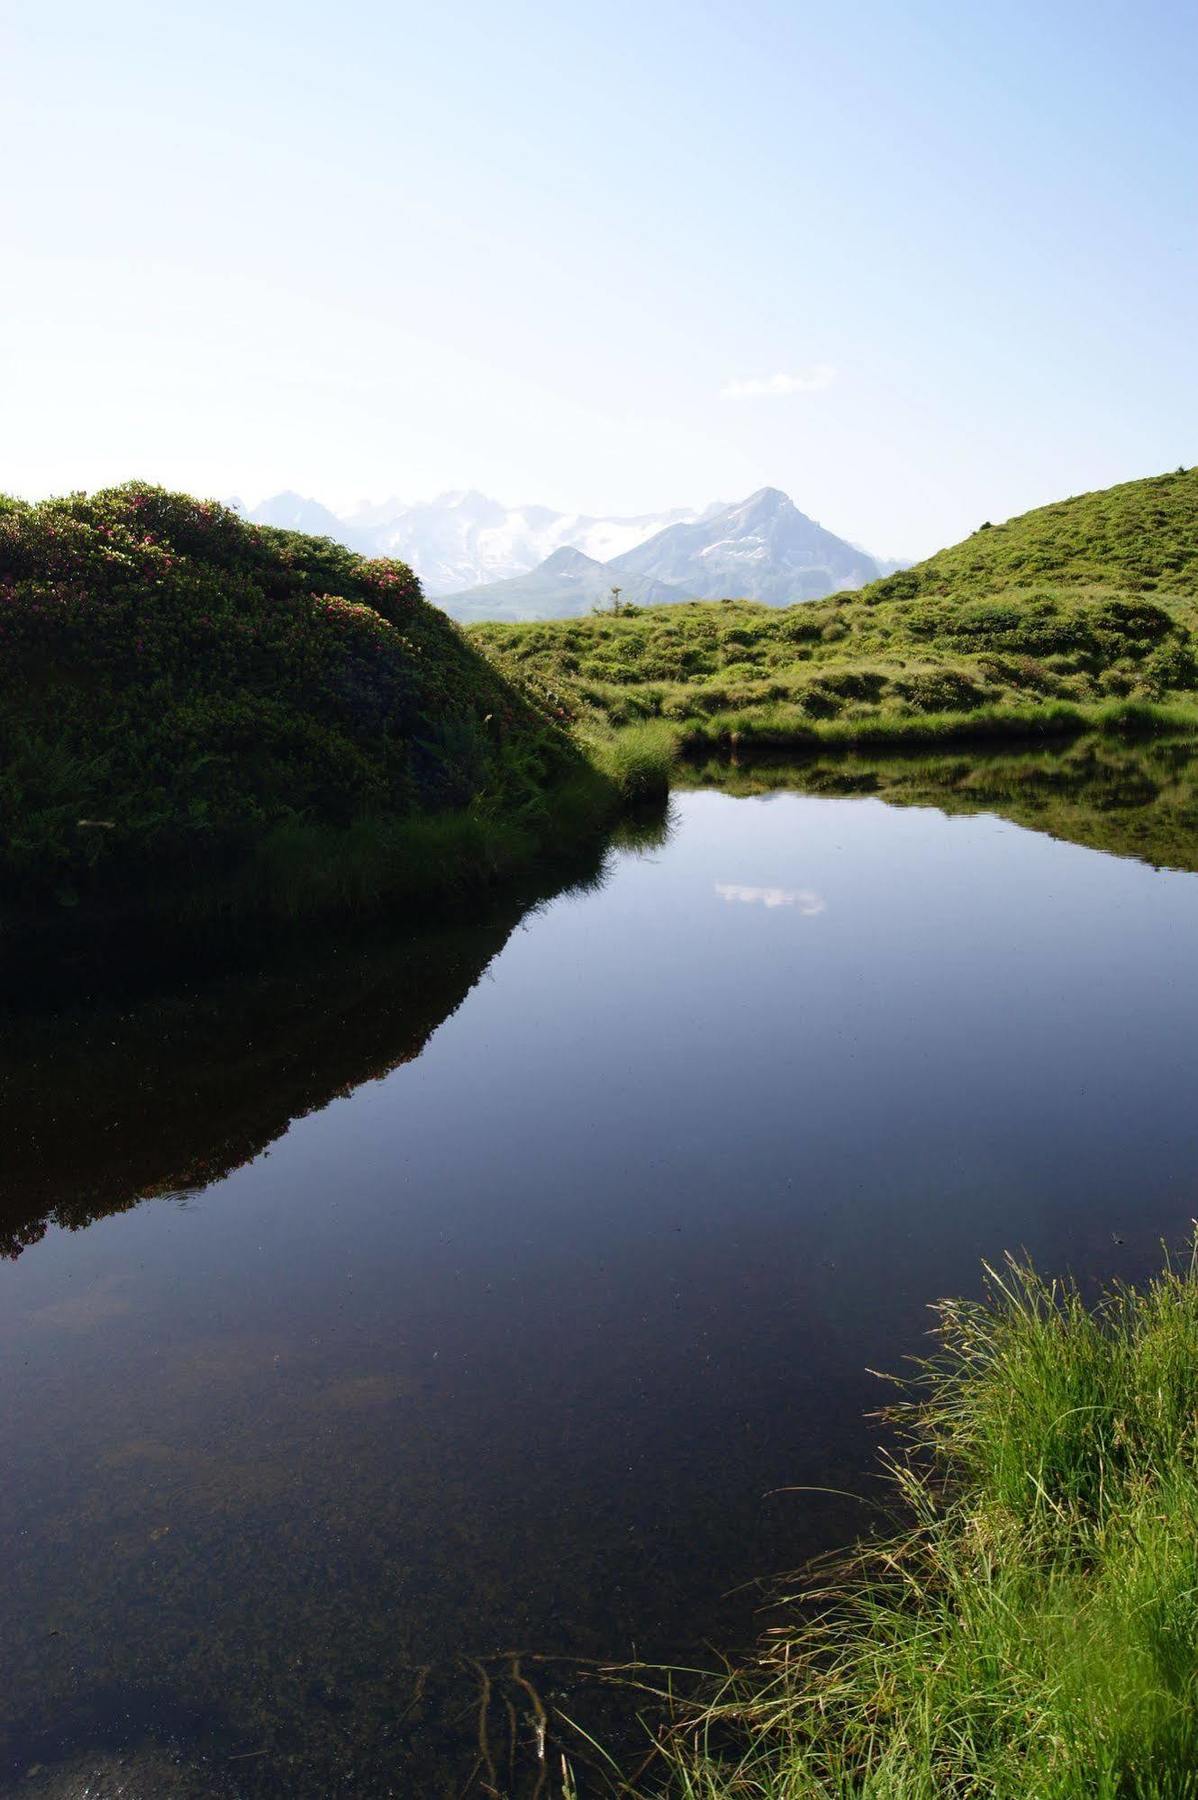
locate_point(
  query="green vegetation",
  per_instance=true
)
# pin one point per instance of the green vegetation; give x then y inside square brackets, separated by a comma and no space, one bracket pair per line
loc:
[205,717]
[639,759]
[1034,1633]
[199,712]
[1078,616]
[179,688]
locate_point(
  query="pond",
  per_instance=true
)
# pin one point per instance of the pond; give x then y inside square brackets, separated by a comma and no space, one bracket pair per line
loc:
[378,1318]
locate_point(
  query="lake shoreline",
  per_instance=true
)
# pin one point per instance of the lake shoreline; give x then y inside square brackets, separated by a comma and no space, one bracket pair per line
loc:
[408,872]
[1032,1630]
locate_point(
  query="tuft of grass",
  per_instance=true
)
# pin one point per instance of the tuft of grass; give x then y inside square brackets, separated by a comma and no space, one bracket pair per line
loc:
[639,759]
[1033,1633]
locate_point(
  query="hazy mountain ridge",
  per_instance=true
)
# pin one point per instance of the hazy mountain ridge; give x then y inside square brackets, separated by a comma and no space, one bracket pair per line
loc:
[564,585]
[464,540]
[764,548]
[486,560]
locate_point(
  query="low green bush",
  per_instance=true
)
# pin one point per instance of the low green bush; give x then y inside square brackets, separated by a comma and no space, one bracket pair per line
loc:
[179,690]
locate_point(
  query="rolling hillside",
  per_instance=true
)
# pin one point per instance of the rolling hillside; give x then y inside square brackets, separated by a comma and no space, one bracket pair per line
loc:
[1078,612]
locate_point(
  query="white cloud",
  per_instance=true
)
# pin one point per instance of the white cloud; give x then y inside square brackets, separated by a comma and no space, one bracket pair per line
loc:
[756,387]
[805,900]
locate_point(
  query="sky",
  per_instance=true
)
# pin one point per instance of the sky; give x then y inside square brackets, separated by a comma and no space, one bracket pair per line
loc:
[918,263]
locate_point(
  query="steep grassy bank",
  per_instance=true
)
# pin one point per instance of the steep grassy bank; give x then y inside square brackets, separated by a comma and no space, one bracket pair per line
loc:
[1078,616]
[1034,1632]
[199,713]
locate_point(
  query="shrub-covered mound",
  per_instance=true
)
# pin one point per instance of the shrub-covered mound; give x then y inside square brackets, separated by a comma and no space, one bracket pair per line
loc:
[185,697]
[1082,613]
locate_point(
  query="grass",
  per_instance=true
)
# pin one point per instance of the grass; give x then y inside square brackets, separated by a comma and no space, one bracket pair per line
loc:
[1032,1632]
[1082,615]
[639,760]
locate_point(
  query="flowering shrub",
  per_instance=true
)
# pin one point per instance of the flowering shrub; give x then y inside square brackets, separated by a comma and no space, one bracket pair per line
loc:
[174,682]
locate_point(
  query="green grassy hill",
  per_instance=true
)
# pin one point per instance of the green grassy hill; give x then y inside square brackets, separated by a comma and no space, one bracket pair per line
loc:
[1081,613]
[1142,535]
[190,704]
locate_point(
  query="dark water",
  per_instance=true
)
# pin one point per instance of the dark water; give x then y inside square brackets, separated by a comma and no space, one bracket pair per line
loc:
[509,1350]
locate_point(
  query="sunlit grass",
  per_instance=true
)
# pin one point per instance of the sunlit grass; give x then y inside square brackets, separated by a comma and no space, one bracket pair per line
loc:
[1033,1633]
[1079,615]
[638,759]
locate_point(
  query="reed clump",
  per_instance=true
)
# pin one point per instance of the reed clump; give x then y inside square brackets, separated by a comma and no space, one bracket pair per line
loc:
[1033,1631]
[639,760]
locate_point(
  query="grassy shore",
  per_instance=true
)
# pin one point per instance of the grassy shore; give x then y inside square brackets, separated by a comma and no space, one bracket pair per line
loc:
[1032,1632]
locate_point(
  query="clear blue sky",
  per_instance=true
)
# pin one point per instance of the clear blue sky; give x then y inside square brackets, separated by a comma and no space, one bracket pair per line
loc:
[363,249]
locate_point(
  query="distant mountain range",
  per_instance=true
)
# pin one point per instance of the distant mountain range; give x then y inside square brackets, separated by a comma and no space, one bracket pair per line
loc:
[483,560]
[762,549]
[462,540]
[566,583]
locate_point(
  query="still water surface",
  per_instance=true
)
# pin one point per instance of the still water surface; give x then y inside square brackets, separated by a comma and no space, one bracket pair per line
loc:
[511,1350]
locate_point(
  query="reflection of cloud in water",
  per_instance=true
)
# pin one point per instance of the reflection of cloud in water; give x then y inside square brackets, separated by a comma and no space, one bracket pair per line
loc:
[103,1301]
[804,900]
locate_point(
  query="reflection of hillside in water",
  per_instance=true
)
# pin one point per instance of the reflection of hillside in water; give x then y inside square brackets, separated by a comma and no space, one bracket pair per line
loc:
[108,1103]
[104,1106]
[1127,799]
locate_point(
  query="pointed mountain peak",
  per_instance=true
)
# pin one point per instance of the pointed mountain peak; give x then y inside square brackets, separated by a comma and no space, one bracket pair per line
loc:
[568,559]
[766,500]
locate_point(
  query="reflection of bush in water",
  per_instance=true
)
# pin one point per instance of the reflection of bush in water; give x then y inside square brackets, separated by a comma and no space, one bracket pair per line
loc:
[104,1106]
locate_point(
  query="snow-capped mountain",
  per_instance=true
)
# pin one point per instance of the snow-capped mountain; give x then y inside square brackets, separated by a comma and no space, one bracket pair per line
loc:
[764,548]
[565,584]
[487,560]
[295,512]
[462,540]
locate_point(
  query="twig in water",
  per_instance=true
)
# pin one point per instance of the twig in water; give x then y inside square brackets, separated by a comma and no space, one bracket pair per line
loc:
[513,1730]
[540,1722]
[491,1784]
[422,1675]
